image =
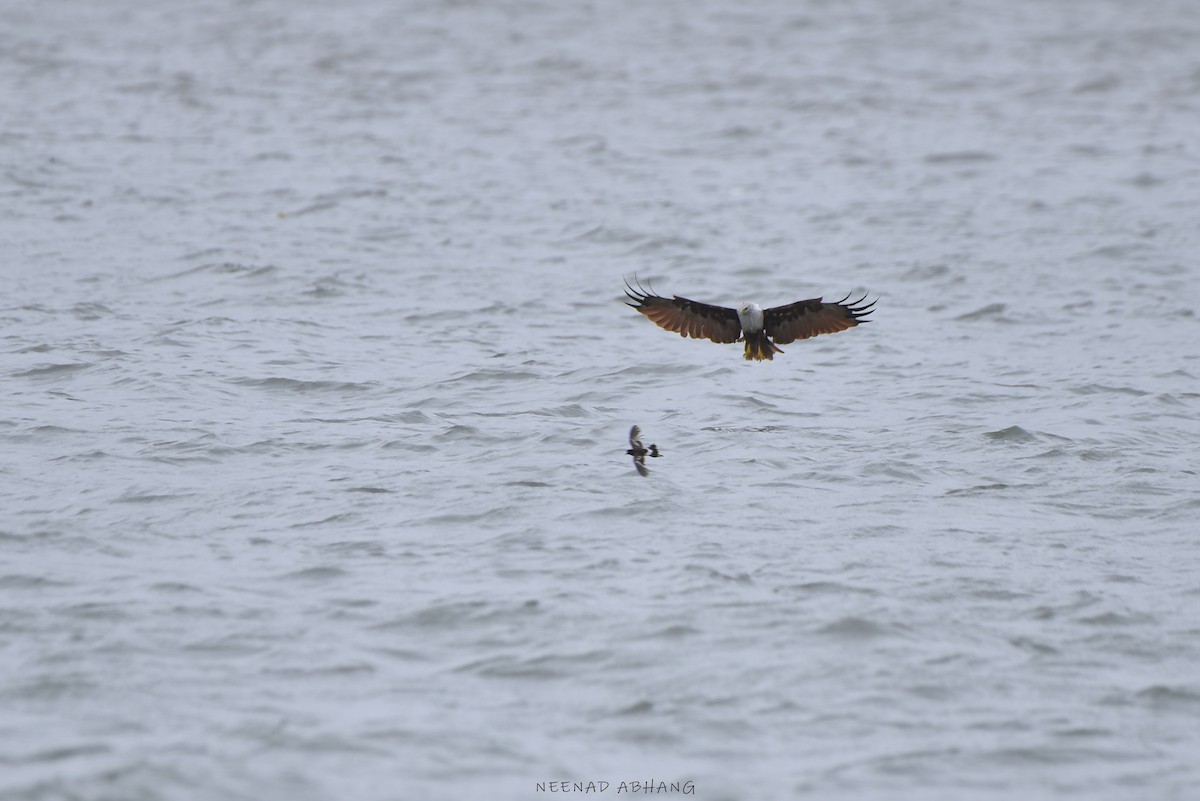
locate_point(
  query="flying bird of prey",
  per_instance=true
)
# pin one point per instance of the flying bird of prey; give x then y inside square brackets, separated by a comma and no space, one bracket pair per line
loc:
[638,452]
[761,329]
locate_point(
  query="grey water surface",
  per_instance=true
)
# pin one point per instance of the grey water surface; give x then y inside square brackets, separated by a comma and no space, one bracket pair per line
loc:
[316,383]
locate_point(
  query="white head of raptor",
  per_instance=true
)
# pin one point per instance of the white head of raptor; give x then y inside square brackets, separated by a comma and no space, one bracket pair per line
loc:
[750,316]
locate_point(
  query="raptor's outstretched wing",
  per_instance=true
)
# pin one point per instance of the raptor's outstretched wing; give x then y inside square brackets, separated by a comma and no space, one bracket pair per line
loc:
[688,318]
[808,318]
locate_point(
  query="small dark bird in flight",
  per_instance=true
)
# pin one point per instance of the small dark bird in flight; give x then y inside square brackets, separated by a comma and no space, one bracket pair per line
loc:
[761,329]
[638,452]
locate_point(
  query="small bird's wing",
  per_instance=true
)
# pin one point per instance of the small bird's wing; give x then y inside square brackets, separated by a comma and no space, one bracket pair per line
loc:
[635,438]
[808,318]
[688,318]
[640,463]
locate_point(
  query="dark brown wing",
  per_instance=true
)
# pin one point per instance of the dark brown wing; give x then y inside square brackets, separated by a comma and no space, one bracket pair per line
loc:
[687,317]
[807,318]
[635,438]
